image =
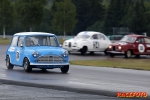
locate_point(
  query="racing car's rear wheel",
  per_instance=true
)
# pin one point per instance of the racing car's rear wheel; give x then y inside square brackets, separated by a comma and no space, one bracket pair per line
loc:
[8,64]
[105,52]
[26,65]
[83,50]
[128,54]
[64,69]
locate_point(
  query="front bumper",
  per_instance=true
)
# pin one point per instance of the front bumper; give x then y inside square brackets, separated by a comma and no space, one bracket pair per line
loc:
[72,48]
[116,52]
[67,48]
[51,64]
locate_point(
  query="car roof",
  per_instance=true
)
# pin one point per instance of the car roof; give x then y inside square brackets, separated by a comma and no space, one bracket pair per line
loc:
[90,33]
[33,33]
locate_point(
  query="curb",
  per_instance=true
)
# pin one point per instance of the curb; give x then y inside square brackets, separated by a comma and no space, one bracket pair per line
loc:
[65,88]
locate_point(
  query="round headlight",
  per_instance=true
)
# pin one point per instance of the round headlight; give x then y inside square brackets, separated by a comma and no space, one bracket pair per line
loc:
[110,47]
[119,47]
[65,54]
[35,54]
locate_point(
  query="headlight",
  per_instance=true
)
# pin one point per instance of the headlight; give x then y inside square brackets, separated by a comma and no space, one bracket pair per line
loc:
[65,54]
[119,47]
[35,54]
[110,47]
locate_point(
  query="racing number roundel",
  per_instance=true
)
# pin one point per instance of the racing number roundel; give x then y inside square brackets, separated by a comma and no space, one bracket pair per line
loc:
[17,55]
[141,48]
[95,45]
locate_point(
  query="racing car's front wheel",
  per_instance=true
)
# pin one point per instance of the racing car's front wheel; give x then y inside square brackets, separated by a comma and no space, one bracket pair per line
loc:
[64,69]
[8,64]
[26,65]
[84,50]
[128,54]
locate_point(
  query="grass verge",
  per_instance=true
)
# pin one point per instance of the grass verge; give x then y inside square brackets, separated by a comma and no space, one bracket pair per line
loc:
[138,64]
[5,41]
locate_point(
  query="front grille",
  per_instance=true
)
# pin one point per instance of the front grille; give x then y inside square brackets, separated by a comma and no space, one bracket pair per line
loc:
[46,59]
[69,44]
[114,48]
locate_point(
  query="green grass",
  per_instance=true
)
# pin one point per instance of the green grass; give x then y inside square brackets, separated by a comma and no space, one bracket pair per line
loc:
[138,64]
[5,41]
[61,40]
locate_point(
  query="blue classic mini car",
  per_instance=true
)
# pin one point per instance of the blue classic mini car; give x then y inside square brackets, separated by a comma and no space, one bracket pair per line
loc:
[36,50]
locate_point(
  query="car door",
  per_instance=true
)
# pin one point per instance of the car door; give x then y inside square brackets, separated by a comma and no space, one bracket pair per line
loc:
[12,50]
[147,45]
[20,50]
[102,42]
[95,42]
[140,46]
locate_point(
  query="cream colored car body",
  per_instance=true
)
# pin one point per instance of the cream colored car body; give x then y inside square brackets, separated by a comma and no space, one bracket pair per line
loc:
[87,41]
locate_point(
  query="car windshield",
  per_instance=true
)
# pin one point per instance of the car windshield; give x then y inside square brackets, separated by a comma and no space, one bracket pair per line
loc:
[82,36]
[128,39]
[41,41]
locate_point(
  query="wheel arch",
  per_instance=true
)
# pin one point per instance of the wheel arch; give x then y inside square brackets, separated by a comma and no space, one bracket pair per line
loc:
[24,59]
[131,51]
[85,47]
[8,55]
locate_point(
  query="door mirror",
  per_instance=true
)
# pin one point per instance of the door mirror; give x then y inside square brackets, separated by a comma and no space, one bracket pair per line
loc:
[21,45]
[60,45]
[137,41]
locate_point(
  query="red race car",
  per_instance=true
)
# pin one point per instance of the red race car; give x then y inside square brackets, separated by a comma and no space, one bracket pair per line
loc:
[130,45]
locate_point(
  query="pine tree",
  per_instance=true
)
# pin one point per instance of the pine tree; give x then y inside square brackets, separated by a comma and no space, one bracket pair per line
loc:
[6,14]
[64,17]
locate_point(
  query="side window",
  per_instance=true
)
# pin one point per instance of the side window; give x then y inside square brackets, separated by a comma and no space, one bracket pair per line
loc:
[147,40]
[102,37]
[14,41]
[20,41]
[53,41]
[140,40]
[95,36]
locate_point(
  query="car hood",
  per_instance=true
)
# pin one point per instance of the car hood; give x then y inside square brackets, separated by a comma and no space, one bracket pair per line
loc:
[46,50]
[119,43]
[70,40]
[75,40]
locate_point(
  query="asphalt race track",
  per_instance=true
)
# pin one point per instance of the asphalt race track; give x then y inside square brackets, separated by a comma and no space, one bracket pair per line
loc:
[81,79]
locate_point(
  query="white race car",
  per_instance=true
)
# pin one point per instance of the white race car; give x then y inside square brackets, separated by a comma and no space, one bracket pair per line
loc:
[87,41]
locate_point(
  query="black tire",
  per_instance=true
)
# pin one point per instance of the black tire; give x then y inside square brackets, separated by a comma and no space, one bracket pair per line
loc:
[128,54]
[111,55]
[105,52]
[64,69]
[83,50]
[8,64]
[26,65]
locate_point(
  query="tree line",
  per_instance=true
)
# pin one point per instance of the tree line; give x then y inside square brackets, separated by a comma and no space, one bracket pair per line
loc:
[68,17]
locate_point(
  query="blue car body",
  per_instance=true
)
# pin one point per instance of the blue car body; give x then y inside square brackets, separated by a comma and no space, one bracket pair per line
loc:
[26,51]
